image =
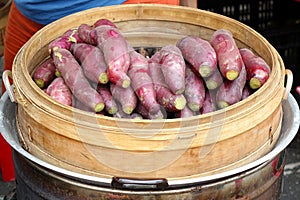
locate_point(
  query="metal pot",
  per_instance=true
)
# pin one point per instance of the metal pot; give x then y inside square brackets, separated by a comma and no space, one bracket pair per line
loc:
[260,179]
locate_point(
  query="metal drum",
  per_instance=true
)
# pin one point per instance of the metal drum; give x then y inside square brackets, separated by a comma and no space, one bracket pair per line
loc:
[260,179]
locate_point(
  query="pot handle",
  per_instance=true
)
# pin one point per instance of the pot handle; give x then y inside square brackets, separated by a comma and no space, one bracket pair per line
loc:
[5,77]
[289,83]
[139,184]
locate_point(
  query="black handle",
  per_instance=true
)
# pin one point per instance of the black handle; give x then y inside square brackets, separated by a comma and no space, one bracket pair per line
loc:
[139,184]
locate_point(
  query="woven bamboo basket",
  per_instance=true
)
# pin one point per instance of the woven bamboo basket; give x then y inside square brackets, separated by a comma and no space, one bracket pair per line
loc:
[104,146]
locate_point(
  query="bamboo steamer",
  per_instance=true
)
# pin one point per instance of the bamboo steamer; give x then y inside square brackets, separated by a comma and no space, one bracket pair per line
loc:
[104,146]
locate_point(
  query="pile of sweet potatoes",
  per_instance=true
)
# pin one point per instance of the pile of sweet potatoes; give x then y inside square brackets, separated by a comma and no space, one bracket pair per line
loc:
[94,68]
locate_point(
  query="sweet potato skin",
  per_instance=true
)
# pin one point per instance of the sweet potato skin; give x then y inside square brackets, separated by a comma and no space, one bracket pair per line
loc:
[144,112]
[173,68]
[74,78]
[92,62]
[258,71]
[199,53]
[141,82]
[125,96]
[230,92]
[110,103]
[116,53]
[194,90]
[164,96]
[209,104]
[228,55]
[104,22]
[214,81]
[65,41]
[85,34]
[185,112]
[44,73]
[59,91]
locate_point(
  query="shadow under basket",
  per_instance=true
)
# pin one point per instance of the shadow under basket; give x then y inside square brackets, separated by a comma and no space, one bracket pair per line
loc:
[104,146]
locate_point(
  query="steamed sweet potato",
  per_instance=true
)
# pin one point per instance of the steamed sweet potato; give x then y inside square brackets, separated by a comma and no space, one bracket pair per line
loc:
[141,82]
[173,67]
[116,53]
[104,22]
[85,34]
[65,41]
[185,112]
[110,104]
[59,91]
[209,104]
[125,96]
[44,73]
[73,75]
[258,71]
[228,55]
[92,62]
[199,53]
[194,89]
[230,92]
[214,81]
[164,96]
[247,91]
[143,111]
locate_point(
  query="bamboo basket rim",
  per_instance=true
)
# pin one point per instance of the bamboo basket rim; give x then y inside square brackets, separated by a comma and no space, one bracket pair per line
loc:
[276,61]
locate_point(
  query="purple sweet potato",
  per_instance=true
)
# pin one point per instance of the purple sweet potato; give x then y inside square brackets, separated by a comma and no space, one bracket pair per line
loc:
[214,81]
[230,92]
[199,53]
[74,77]
[81,106]
[59,91]
[85,34]
[247,91]
[65,41]
[228,55]
[209,104]
[141,82]
[143,111]
[44,73]
[110,104]
[258,71]
[173,67]
[104,22]
[164,96]
[116,53]
[194,89]
[92,62]
[125,96]
[121,114]
[185,112]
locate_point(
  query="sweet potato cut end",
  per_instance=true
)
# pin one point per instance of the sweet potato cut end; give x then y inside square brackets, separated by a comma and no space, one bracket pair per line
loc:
[103,78]
[40,83]
[194,107]
[205,71]
[126,83]
[232,74]
[180,103]
[128,109]
[223,104]
[255,83]
[113,110]
[99,107]
[211,85]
